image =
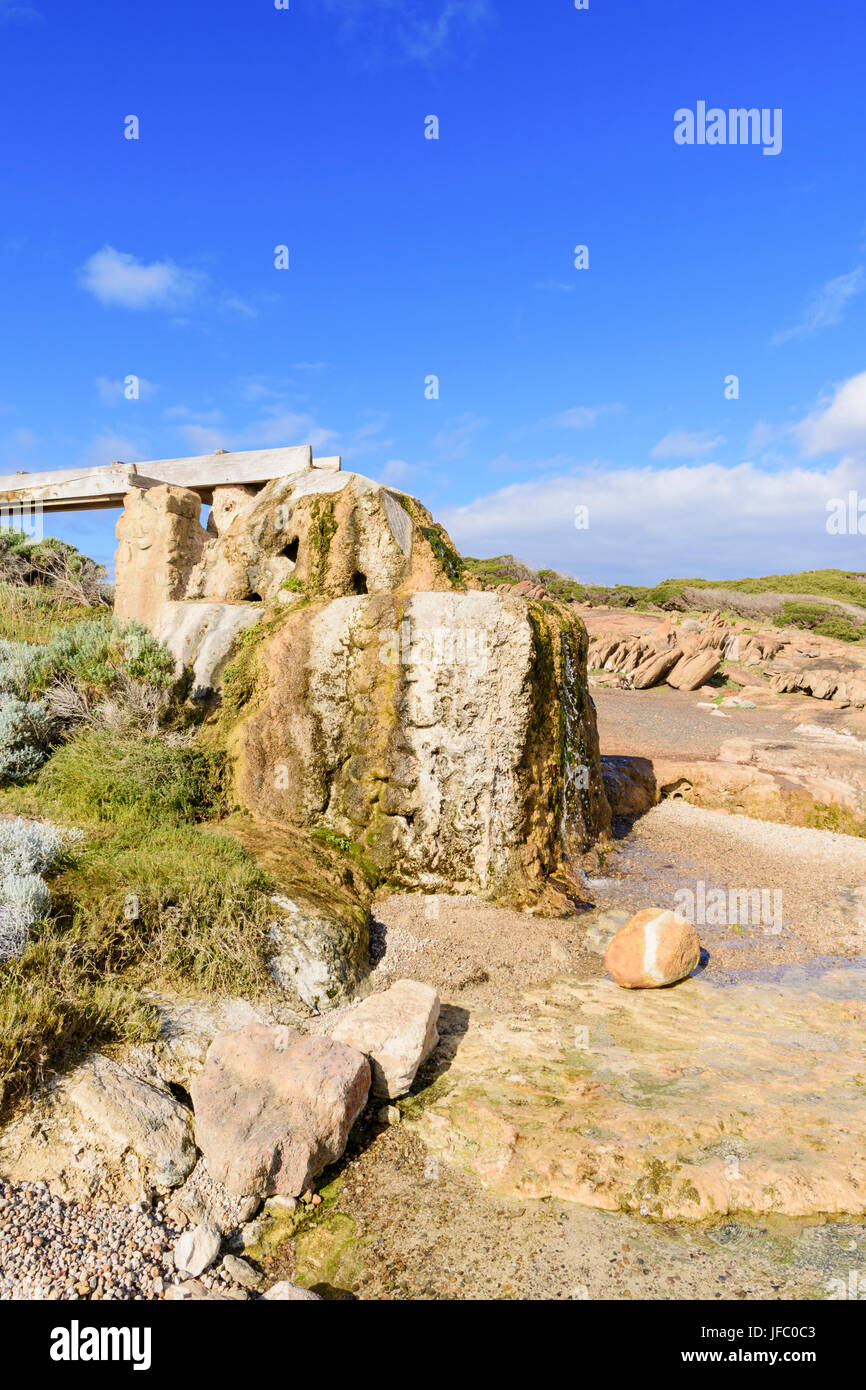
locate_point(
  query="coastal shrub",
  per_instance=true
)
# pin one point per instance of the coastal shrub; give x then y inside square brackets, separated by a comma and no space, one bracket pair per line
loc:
[53,566]
[25,732]
[23,901]
[31,847]
[95,652]
[102,776]
[820,618]
[28,849]
[17,660]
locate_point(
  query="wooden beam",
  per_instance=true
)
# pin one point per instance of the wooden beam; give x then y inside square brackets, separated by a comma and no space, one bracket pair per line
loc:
[80,489]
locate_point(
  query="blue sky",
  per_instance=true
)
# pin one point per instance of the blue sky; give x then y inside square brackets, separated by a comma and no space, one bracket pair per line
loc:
[410,257]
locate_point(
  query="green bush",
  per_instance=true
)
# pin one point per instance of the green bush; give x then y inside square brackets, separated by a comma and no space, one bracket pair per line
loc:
[820,618]
[95,652]
[102,776]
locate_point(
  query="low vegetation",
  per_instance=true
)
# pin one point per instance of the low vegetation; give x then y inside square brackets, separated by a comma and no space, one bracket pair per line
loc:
[819,611]
[821,618]
[95,735]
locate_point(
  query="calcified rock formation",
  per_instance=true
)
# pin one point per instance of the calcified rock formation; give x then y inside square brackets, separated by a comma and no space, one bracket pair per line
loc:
[453,769]
[446,731]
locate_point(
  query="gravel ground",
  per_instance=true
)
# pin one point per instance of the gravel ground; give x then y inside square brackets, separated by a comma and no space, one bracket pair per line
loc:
[666,723]
[51,1249]
[820,877]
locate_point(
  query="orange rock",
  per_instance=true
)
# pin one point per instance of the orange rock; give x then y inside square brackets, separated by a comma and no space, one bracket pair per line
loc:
[655,948]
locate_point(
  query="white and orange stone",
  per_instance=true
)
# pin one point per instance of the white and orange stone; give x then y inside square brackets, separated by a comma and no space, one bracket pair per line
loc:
[655,948]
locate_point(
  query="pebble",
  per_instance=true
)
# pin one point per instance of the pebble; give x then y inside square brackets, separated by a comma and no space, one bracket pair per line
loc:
[51,1248]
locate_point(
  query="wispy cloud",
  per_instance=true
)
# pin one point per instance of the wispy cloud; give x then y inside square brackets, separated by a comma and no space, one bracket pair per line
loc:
[579,417]
[826,306]
[555,286]
[18,12]
[368,437]
[108,448]
[116,277]
[278,425]
[418,30]
[685,444]
[453,442]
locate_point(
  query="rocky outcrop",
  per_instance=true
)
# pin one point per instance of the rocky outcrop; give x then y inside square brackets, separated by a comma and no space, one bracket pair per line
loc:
[687,655]
[684,658]
[396,1030]
[321,533]
[449,735]
[273,1107]
[368,693]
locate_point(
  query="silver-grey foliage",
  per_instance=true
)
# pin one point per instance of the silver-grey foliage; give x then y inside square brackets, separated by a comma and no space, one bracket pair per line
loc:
[28,849]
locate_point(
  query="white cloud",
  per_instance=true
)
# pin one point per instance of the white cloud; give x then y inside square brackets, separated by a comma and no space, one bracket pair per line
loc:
[838,423]
[115,277]
[579,417]
[555,287]
[113,391]
[826,306]
[649,524]
[681,444]
[414,29]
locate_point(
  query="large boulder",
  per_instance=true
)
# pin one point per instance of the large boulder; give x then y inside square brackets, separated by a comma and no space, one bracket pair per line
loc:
[691,672]
[273,1107]
[134,1116]
[449,735]
[396,1030]
[654,669]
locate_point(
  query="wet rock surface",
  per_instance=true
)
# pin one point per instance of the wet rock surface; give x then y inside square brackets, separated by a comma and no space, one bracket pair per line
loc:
[675,1104]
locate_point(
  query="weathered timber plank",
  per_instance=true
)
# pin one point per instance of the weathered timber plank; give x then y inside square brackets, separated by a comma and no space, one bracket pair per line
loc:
[77,489]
